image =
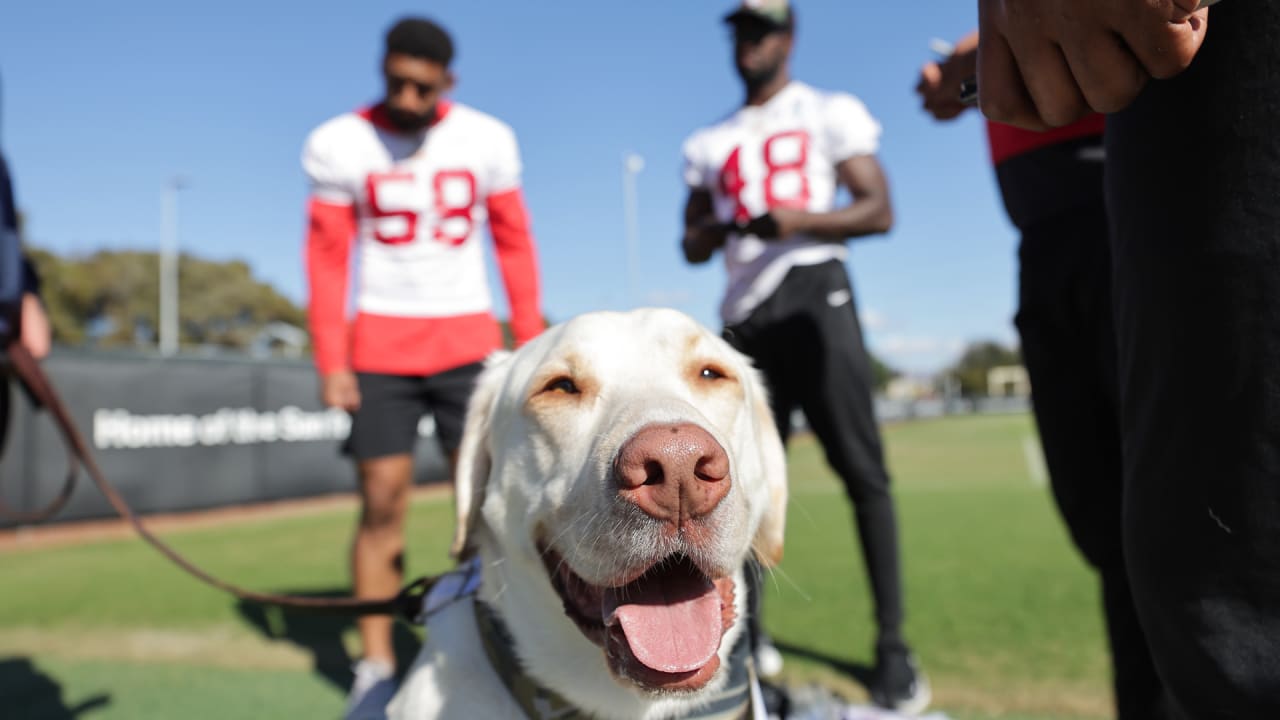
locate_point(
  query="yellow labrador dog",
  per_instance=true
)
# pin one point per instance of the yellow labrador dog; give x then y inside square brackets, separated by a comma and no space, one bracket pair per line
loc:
[614,475]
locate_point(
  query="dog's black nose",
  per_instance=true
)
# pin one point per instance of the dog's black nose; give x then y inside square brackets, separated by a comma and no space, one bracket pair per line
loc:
[673,472]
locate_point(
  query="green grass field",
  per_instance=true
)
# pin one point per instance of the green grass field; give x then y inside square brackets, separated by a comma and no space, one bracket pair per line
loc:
[1001,611]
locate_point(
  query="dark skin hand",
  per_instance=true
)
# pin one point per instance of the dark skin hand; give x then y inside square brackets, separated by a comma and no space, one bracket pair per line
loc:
[1048,63]
[703,234]
[872,214]
[939,84]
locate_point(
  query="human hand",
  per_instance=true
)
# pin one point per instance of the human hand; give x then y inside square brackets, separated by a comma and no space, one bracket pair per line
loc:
[35,332]
[939,84]
[701,239]
[1047,63]
[777,224]
[339,389]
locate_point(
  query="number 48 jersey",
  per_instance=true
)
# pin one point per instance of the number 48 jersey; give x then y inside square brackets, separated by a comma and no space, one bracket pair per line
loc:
[782,154]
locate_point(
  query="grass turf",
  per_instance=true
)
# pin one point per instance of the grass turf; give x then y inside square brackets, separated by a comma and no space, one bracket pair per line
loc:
[1002,613]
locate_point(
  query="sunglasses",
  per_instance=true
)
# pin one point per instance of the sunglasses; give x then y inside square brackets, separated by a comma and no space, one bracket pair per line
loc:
[395,84]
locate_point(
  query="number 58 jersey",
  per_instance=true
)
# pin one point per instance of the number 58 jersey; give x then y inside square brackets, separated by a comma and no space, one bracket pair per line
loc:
[416,204]
[419,205]
[782,154]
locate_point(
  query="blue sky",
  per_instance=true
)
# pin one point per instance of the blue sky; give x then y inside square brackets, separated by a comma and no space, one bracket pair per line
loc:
[104,101]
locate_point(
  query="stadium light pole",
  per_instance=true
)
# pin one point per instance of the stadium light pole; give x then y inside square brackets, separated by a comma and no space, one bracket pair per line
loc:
[632,165]
[169,266]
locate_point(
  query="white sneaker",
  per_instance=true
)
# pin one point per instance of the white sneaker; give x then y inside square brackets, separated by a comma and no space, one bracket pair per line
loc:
[768,659]
[373,687]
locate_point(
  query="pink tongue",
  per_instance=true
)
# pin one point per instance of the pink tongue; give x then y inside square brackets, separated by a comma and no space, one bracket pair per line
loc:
[671,622]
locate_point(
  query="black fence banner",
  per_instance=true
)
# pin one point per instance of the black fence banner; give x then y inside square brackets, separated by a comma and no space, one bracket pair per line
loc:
[187,433]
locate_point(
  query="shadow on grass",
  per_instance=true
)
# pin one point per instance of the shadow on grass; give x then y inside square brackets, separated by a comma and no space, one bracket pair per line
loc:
[857,671]
[321,634]
[26,692]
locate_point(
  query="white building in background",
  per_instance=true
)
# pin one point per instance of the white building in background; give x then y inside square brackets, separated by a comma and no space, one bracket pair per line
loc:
[907,387]
[1008,381]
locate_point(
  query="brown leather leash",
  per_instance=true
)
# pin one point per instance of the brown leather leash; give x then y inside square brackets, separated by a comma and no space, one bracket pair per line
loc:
[407,603]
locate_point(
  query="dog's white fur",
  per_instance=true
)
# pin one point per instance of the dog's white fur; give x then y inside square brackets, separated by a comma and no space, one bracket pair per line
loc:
[536,468]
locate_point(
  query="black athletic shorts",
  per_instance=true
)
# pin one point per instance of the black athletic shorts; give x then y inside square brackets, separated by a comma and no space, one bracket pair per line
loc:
[391,407]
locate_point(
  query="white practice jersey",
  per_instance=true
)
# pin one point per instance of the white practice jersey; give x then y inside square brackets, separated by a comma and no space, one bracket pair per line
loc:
[782,154]
[420,204]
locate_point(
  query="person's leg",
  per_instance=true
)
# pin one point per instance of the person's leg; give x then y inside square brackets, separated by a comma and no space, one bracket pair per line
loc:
[1194,195]
[377,555]
[834,382]
[1139,692]
[383,434]
[1068,345]
[834,371]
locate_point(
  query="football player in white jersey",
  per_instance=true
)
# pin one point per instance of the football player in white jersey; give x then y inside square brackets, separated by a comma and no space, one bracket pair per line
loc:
[407,186]
[762,190]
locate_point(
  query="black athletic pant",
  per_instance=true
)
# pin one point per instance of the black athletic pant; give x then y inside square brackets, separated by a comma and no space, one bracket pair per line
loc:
[1068,345]
[1193,191]
[807,341]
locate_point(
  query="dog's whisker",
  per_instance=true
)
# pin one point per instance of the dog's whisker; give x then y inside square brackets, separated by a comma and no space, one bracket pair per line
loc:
[792,502]
[776,572]
[564,531]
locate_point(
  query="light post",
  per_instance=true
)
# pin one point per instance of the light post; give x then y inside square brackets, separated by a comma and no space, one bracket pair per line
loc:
[632,164]
[168,331]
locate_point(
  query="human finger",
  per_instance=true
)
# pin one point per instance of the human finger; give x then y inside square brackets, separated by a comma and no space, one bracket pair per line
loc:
[1106,71]
[1003,96]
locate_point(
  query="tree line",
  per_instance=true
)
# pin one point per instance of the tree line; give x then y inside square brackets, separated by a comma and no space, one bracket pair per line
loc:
[110,299]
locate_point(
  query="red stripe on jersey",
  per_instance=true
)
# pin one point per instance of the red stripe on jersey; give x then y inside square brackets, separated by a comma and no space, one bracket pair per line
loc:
[1007,141]
[518,262]
[377,115]
[421,346]
[331,228]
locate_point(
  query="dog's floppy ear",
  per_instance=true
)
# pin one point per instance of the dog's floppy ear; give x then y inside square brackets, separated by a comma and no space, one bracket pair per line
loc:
[475,460]
[773,463]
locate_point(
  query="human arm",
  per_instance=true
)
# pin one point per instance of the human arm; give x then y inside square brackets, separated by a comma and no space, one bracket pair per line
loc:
[939,84]
[1047,63]
[19,286]
[11,261]
[703,235]
[36,334]
[331,227]
[517,261]
[513,242]
[870,213]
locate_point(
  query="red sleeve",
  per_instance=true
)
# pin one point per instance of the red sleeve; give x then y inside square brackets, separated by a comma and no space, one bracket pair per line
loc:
[517,259]
[331,228]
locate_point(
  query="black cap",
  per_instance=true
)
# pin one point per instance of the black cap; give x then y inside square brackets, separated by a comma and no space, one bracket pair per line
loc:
[776,14]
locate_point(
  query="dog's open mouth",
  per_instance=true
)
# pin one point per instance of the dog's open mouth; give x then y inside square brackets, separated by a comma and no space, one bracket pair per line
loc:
[661,630]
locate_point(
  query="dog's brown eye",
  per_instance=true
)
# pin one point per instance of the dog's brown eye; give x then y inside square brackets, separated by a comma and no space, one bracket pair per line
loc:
[711,373]
[562,384]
